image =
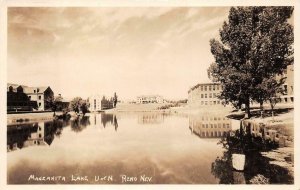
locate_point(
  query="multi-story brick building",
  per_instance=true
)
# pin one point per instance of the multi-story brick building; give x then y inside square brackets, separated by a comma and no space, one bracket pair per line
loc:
[204,94]
[288,96]
[41,95]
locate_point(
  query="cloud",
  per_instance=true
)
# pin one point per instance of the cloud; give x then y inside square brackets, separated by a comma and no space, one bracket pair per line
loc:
[99,49]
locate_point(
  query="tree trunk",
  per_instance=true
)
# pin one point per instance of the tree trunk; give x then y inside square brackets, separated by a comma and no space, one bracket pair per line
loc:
[247,109]
[261,105]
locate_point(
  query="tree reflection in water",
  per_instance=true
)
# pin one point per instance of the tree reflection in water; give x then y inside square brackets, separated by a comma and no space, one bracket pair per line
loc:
[256,165]
[109,118]
[80,123]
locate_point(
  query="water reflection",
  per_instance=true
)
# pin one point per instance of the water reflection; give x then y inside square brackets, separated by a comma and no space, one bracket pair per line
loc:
[109,118]
[166,151]
[33,134]
[209,126]
[257,168]
[150,118]
[80,123]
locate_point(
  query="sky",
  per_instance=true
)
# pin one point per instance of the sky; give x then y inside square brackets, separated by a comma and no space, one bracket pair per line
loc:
[131,51]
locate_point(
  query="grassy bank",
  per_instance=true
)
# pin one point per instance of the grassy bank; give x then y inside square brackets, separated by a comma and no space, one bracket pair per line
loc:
[279,128]
[29,117]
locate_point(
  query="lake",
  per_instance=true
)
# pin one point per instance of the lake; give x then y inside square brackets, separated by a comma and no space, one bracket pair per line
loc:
[125,148]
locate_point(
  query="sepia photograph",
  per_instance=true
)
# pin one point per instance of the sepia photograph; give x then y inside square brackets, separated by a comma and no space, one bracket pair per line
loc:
[150,95]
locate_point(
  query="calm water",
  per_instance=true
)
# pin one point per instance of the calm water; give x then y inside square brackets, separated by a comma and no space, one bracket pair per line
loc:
[124,148]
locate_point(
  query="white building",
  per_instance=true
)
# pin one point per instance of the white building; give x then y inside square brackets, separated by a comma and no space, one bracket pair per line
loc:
[95,103]
[145,99]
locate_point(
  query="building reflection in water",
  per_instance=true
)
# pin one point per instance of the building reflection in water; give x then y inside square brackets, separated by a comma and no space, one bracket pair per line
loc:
[107,119]
[33,134]
[150,118]
[209,126]
[258,169]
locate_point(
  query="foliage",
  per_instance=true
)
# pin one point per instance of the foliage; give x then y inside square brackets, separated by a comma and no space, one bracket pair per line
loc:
[107,103]
[78,104]
[255,44]
[115,99]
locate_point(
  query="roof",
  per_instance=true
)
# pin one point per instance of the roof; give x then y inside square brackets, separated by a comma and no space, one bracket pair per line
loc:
[203,84]
[29,90]
[147,96]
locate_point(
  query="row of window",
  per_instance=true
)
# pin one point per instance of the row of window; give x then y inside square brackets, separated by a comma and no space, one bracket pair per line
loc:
[210,102]
[210,95]
[213,134]
[219,125]
[40,97]
[214,118]
[210,87]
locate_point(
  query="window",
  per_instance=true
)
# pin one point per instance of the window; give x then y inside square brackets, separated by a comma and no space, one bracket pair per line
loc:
[292,99]
[40,135]
[210,95]
[285,89]
[95,104]
[34,91]
[214,87]
[40,104]
[209,87]
[40,97]
[215,102]
[202,102]
[205,88]
[201,95]
[205,102]
[201,88]
[205,95]
[29,97]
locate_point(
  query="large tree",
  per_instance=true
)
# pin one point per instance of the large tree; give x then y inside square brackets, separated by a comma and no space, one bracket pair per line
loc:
[78,104]
[256,43]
